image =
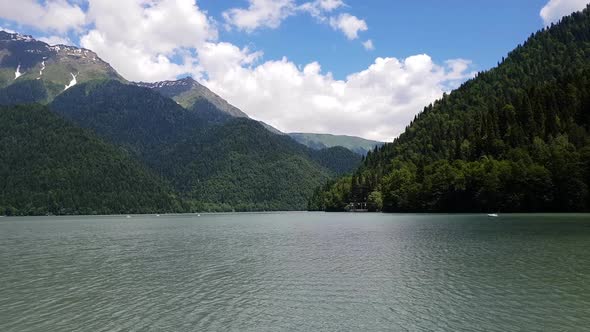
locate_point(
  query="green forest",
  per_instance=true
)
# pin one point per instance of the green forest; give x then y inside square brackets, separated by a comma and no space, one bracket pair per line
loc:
[106,147]
[514,139]
[49,166]
[232,165]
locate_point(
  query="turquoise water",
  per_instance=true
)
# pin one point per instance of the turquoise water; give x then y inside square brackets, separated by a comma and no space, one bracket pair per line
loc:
[296,272]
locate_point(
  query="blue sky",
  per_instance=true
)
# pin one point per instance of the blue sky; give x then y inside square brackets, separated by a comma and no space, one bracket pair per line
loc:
[300,65]
[482,31]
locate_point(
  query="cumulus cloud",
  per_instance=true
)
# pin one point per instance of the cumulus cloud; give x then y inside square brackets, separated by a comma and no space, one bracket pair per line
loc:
[260,13]
[7,29]
[376,103]
[320,8]
[350,25]
[368,45]
[56,40]
[556,9]
[55,15]
[271,13]
[141,40]
[330,5]
[134,62]
[151,40]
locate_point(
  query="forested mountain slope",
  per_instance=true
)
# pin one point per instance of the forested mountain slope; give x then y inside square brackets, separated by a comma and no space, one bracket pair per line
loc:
[213,154]
[48,165]
[236,164]
[142,121]
[242,165]
[515,138]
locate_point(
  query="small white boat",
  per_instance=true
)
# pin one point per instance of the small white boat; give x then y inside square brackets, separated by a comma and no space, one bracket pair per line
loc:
[128,216]
[493,215]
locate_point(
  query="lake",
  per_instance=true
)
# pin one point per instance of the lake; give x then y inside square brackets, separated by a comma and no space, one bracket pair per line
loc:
[295,272]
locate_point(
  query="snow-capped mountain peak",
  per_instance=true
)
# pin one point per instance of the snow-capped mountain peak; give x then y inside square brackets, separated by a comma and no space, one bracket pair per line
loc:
[24,58]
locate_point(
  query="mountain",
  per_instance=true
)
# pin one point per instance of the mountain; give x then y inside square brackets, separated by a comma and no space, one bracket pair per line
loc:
[242,165]
[321,141]
[51,166]
[513,139]
[139,120]
[337,159]
[40,71]
[211,153]
[192,95]
[236,164]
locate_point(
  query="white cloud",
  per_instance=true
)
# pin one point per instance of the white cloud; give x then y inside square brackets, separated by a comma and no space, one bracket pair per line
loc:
[162,26]
[271,13]
[152,40]
[56,40]
[135,63]
[556,9]
[320,8]
[225,59]
[7,30]
[54,15]
[140,38]
[350,25]
[375,103]
[260,13]
[330,5]
[368,45]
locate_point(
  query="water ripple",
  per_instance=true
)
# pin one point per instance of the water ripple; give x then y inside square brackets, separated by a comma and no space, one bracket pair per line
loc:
[285,272]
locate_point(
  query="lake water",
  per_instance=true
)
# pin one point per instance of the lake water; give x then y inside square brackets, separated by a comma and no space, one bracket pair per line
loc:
[296,272]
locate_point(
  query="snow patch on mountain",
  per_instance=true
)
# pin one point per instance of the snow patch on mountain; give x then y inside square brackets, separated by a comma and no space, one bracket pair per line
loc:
[66,50]
[42,68]
[19,37]
[72,82]
[17,73]
[182,82]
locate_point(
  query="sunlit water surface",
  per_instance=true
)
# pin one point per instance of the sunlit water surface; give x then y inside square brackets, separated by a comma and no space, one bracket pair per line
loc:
[296,272]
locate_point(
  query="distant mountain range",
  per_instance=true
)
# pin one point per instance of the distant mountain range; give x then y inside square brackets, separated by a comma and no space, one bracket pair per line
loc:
[513,139]
[198,152]
[321,141]
[33,71]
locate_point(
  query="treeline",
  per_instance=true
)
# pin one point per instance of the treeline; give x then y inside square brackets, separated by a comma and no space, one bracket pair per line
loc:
[515,138]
